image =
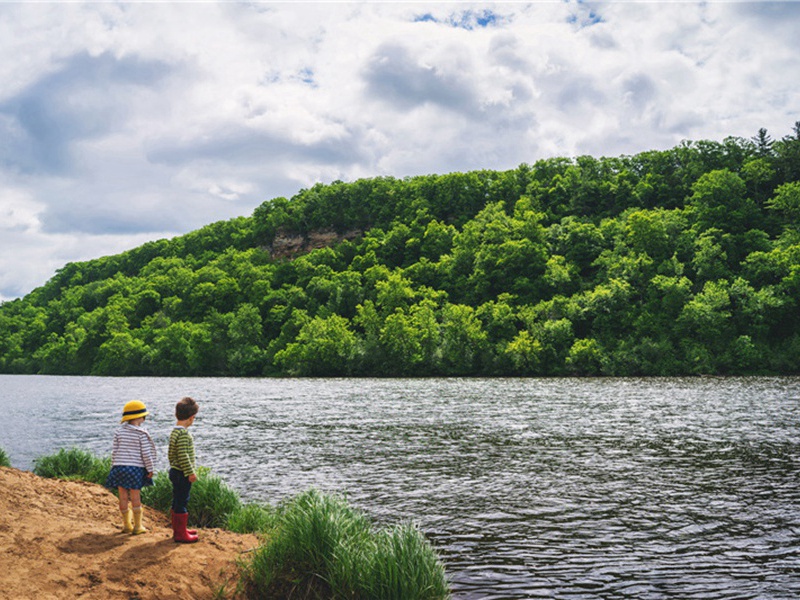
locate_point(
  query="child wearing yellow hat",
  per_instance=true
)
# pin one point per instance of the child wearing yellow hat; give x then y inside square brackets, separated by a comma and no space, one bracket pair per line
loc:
[132,465]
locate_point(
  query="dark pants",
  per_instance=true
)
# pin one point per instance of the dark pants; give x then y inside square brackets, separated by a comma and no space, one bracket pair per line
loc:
[181,486]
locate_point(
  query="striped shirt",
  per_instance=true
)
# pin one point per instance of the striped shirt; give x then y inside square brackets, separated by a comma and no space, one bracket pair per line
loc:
[181,451]
[133,447]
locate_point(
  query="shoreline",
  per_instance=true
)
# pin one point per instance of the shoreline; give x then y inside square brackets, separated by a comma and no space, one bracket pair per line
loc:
[61,539]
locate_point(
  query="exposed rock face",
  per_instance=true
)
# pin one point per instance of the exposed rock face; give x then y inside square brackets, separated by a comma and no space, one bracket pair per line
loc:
[290,245]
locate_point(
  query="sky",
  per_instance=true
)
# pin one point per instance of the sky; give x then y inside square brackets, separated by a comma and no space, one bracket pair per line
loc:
[124,122]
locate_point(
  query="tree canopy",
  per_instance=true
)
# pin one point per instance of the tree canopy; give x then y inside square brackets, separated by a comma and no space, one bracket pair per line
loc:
[683,261]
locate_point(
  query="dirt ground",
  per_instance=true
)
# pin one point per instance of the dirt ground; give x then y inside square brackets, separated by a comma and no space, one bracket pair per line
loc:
[62,539]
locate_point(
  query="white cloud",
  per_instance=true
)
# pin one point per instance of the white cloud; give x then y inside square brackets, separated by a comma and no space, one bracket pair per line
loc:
[130,121]
[18,212]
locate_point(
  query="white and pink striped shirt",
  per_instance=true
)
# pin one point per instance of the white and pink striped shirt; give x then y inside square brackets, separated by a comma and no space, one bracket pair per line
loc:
[133,447]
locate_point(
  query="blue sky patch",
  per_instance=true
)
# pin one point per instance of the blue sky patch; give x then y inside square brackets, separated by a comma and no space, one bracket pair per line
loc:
[584,16]
[467,19]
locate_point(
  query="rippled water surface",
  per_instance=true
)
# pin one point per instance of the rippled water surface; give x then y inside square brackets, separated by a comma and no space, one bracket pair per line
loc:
[555,488]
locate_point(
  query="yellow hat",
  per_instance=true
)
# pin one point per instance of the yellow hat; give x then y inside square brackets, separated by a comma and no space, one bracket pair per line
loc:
[133,410]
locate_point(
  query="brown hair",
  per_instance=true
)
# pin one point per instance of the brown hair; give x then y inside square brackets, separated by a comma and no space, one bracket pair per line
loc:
[186,408]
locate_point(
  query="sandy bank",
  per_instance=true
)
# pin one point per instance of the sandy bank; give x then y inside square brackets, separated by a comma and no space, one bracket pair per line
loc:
[61,539]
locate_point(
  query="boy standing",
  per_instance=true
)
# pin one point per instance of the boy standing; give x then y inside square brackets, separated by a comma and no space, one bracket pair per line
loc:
[182,471]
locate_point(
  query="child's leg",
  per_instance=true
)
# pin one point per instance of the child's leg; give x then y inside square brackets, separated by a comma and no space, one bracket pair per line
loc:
[180,498]
[180,490]
[127,515]
[123,498]
[136,504]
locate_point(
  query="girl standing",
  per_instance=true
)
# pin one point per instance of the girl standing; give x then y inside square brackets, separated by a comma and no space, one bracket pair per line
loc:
[132,465]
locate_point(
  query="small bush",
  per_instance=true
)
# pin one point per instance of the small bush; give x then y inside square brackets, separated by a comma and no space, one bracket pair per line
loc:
[158,495]
[73,464]
[4,461]
[320,547]
[404,567]
[251,518]
[210,501]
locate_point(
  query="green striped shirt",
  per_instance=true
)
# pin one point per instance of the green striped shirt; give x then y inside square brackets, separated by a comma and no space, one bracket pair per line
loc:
[181,451]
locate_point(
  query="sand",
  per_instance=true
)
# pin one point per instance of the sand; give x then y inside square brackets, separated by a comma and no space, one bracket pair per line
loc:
[62,539]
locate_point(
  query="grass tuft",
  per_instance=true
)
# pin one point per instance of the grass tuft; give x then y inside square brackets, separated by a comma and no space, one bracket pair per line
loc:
[75,464]
[405,567]
[4,460]
[251,518]
[320,547]
[210,501]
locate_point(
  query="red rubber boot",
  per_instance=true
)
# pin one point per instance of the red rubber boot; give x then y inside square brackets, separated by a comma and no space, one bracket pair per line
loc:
[179,533]
[189,531]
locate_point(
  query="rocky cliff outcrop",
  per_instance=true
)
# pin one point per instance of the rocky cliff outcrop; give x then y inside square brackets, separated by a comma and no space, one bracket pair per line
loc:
[289,245]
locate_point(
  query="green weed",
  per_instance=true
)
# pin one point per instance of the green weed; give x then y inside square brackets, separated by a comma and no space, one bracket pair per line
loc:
[251,518]
[210,501]
[322,548]
[73,463]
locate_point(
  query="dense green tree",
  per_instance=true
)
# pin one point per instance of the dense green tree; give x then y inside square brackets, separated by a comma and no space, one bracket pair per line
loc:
[579,241]
[171,347]
[720,201]
[245,346]
[677,261]
[759,175]
[525,353]
[121,354]
[787,155]
[463,340]
[498,253]
[786,202]
[764,143]
[585,357]
[706,327]
[710,261]
[403,344]
[437,240]
[323,346]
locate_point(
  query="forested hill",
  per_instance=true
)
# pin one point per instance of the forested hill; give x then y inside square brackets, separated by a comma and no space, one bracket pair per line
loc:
[684,261]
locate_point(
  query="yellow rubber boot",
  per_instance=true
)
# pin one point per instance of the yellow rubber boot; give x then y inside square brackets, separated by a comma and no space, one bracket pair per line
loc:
[127,520]
[137,521]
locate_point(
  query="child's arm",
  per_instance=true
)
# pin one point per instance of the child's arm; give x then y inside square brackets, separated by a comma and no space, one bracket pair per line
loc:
[148,453]
[190,456]
[115,447]
[184,455]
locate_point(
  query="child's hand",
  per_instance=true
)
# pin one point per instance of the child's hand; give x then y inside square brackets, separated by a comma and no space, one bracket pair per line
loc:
[192,478]
[149,475]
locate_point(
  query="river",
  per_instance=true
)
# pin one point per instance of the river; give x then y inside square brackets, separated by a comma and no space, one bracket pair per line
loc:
[528,488]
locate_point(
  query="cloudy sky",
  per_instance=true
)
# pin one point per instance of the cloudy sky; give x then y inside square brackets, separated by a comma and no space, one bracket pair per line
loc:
[127,122]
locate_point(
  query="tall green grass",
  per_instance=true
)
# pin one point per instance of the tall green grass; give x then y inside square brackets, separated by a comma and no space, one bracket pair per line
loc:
[405,566]
[211,504]
[4,460]
[73,463]
[322,548]
[251,518]
[211,501]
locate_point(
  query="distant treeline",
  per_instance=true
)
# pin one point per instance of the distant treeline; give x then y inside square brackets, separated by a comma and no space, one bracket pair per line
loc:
[683,261]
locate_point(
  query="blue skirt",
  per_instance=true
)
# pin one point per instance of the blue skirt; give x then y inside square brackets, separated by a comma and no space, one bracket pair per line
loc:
[132,478]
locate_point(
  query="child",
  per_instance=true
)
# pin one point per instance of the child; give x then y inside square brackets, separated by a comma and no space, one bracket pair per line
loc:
[182,471]
[132,465]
